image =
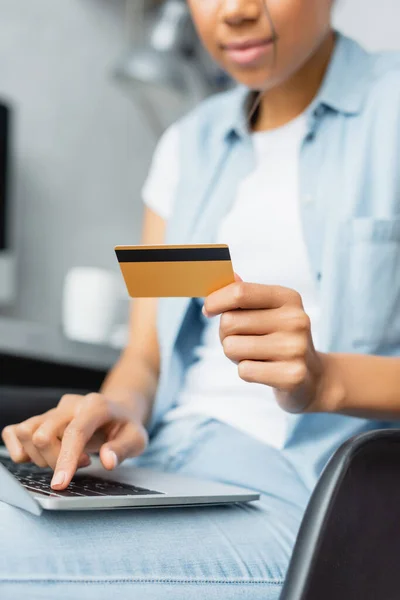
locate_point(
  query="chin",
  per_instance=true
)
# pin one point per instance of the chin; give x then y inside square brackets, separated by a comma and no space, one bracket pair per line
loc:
[254,80]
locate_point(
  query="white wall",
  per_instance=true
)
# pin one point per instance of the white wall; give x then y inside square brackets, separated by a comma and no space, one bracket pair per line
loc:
[375,23]
[81,150]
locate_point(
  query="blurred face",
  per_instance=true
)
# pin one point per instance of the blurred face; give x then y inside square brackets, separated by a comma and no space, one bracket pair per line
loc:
[262,43]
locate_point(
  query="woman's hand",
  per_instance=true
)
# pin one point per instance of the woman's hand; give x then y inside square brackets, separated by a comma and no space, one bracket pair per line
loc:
[62,437]
[265,330]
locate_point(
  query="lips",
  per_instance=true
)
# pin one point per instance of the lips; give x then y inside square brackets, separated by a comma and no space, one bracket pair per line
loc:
[248,52]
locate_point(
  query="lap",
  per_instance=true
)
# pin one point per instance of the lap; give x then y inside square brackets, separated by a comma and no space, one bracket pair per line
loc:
[227,551]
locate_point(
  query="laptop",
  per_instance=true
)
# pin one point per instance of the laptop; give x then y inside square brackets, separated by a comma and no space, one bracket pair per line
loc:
[28,487]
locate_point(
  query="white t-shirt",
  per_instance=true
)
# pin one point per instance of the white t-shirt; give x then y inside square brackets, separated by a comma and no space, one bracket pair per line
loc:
[265,236]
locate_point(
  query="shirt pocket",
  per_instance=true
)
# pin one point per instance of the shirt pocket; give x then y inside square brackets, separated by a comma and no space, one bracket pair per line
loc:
[374,272]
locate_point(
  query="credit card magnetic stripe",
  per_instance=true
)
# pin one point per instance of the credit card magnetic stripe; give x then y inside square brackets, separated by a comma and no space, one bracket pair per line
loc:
[172,254]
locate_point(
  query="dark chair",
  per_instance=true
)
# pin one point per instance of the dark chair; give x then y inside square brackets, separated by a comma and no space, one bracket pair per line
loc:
[348,547]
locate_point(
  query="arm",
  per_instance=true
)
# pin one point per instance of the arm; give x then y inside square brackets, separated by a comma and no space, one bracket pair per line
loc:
[133,380]
[360,385]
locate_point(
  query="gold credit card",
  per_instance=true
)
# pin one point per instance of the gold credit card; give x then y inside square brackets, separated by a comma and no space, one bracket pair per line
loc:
[192,271]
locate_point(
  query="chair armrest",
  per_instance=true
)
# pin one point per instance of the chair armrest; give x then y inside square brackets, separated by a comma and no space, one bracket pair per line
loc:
[348,546]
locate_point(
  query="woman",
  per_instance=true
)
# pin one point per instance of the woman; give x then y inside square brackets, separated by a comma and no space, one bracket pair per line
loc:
[306,191]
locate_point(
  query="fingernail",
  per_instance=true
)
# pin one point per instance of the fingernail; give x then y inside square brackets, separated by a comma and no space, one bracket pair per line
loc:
[112,457]
[58,478]
[203,310]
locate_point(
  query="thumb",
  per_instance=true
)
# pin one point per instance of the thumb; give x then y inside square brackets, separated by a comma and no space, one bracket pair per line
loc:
[237,277]
[127,441]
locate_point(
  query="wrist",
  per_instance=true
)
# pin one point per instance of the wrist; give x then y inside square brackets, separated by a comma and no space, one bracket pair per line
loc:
[330,395]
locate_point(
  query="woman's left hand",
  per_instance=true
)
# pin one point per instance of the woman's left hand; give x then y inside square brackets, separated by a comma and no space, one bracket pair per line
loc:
[265,330]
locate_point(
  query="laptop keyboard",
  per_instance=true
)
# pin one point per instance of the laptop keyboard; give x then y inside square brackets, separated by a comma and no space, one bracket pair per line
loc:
[38,480]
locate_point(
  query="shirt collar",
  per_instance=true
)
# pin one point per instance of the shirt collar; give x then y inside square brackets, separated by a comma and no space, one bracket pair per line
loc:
[347,79]
[343,89]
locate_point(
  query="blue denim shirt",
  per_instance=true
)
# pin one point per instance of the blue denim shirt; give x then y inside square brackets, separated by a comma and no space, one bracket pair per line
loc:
[350,207]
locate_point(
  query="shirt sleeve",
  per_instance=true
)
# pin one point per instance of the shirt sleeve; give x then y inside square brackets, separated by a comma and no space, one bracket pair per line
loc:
[161,185]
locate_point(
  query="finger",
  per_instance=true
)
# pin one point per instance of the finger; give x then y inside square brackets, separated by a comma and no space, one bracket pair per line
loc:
[286,376]
[24,432]
[13,445]
[248,295]
[94,413]
[51,453]
[84,461]
[262,322]
[237,277]
[47,437]
[34,455]
[130,440]
[68,402]
[274,347]
[250,322]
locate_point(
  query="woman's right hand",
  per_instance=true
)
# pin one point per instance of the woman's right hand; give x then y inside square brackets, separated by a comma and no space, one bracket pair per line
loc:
[62,437]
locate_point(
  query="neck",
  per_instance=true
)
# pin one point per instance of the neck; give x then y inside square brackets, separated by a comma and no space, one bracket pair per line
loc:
[288,100]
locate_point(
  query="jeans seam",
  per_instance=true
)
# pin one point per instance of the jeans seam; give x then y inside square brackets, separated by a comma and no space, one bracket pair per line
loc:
[277,582]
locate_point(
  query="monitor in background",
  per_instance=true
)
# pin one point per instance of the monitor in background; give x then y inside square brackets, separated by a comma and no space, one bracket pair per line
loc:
[7,259]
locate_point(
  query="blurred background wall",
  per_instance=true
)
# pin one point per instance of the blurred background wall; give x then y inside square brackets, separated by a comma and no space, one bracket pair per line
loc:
[81,149]
[375,23]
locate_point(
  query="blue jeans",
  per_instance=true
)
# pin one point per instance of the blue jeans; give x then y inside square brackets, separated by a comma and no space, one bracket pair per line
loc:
[239,551]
